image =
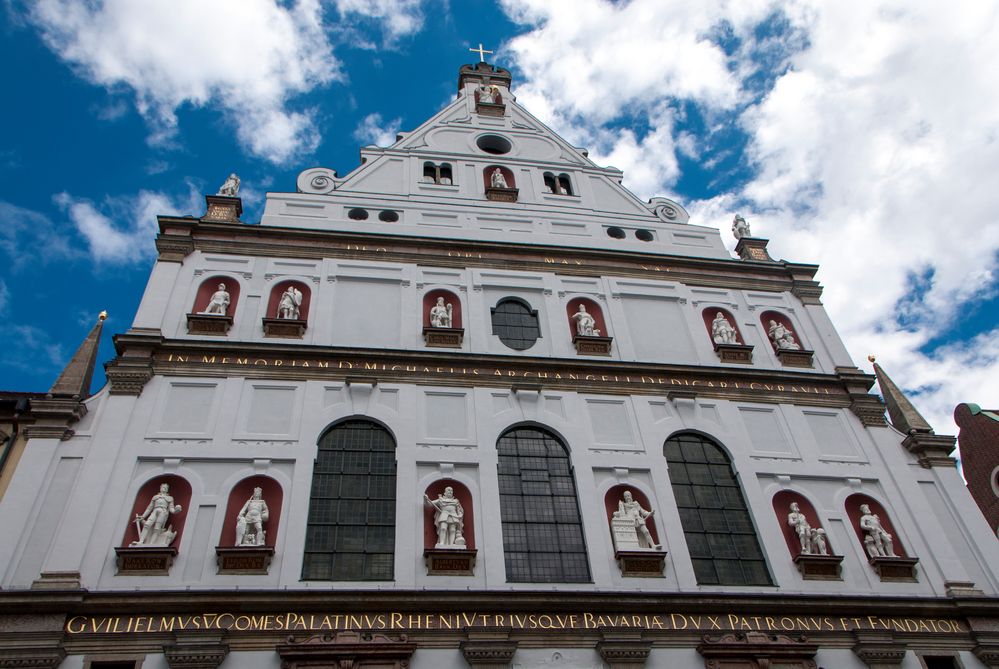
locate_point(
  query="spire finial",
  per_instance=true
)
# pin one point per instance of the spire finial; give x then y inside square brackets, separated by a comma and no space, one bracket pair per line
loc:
[482,53]
[870,358]
[103,316]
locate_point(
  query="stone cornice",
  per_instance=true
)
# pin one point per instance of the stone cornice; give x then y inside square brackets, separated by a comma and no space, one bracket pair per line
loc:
[180,236]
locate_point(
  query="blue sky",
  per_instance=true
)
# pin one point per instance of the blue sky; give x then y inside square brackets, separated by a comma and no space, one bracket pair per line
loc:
[833,127]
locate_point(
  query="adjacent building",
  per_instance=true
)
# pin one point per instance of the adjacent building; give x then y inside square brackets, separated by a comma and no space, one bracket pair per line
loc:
[475,404]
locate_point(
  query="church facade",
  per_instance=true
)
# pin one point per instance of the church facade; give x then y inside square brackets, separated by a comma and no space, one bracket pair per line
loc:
[475,404]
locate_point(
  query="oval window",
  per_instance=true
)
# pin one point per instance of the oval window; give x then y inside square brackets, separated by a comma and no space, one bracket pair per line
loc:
[644,235]
[388,216]
[357,215]
[494,144]
[615,232]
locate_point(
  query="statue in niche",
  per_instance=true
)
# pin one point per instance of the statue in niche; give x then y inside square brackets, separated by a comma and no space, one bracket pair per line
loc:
[488,94]
[797,520]
[497,180]
[152,523]
[585,323]
[740,228]
[722,331]
[441,315]
[219,304]
[631,511]
[250,520]
[782,337]
[877,542]
[448,519]
[290,304]
[819,545]
[231,186]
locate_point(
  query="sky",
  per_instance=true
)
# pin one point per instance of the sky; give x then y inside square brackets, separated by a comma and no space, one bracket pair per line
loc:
[860,135]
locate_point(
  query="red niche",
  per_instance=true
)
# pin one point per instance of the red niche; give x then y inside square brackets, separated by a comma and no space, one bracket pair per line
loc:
[782,503]
[275,299]
[430,299]
[709,315]
[853,503]
[776,317]
[592,308]
[487,173]
[209,286]
[242,491]
[464,497]
[616,494]
[180,490]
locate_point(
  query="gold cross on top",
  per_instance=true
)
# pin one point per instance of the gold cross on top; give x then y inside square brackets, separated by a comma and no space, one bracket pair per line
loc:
[482,53]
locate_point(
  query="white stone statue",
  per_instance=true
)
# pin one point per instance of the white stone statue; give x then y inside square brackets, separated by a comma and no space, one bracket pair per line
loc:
[152,523]
[819,546]
[487,94]
[722,331]
[250,521]
[231,186]
[877,542]
[497,180]
[585,323]
[782,337]
[219,304]
[797,520]
[441,315]
[448,519]
[290,303]
[631,511]
[740,228]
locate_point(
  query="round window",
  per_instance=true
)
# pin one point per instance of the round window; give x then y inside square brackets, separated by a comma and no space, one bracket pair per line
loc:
[357,215]
[615,232]
[644,235]
[494,144]
[388,216]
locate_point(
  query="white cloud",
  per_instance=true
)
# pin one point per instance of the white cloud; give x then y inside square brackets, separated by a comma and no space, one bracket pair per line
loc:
[4,296]
[247,57]
[123,229]
[398,17]
[372,130]
[30,237]
[871,154]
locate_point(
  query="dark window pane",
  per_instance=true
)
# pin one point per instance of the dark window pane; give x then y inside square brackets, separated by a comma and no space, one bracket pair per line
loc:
[515,324]
[542,529]
[351,523]
[716,523]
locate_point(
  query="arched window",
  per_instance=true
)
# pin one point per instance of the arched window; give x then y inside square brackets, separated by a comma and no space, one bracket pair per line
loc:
[551,186]
[351,524]
[515,323]
[721,538]
[542,528]
[437,174]
[565,186]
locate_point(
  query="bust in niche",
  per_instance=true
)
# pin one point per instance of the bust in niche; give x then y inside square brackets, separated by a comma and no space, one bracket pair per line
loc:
[250,520]
[152,523]
[497,180]
[289,307]
[630,510]
[585,323]
[782,337]
[441,315]
[722,331]
[219,302]
[487,94]
[448,519]
[878,542]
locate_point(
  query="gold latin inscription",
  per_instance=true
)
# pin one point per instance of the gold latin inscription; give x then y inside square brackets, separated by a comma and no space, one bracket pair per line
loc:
[311,622]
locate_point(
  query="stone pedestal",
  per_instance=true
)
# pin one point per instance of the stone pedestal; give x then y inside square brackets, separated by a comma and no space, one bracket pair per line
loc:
[145,560]
[753,248]
[488,649]
[346,649]
[284,327]
[489,109]
[932,450]
[820,567]
[208,324]
[223,209]
[645,563]
[622,649]
[502,194]
[450,561]
[57,580]
[741,353]
[795,358]
[443,337]
[586,345]
[199,650]
[879,649]
[243,559]
[895,568]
